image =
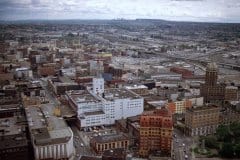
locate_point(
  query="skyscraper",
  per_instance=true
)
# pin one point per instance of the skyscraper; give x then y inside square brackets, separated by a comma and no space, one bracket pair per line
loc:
[211,74]
[211,90]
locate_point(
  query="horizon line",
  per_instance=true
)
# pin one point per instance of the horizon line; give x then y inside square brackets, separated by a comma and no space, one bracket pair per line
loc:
[120,19]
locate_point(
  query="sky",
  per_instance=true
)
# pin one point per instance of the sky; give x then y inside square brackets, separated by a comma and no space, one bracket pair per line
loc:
[177,10]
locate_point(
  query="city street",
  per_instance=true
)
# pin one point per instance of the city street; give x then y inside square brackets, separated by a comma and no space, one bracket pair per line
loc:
[181,146]
[82,148]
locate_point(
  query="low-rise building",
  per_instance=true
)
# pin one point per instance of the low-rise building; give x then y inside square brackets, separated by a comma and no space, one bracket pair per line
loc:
[114,154]
[59,85]
[13,133]
[139,89]
[231,93]
[50,136]
[108,142]
[179,107]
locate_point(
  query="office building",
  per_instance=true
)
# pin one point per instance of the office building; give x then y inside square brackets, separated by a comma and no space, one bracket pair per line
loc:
[202,120]
[211,90]
[156,132]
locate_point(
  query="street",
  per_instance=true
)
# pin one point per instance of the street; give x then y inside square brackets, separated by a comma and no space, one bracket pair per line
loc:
[82,148]
[182,146]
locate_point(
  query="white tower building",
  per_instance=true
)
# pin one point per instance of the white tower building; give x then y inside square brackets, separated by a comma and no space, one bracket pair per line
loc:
[98,85]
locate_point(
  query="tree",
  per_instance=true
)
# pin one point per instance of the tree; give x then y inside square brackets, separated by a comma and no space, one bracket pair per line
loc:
[227,150]
[211,142]
[235,129]
[237,150]
[223,133]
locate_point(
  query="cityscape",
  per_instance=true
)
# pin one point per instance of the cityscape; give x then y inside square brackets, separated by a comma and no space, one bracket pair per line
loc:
[118,88]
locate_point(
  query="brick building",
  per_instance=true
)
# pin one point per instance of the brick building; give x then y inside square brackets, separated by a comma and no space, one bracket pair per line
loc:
[211,90]
[156,132]
[231,93]
[108,142]
[179,107]
[202,120]
[184,72]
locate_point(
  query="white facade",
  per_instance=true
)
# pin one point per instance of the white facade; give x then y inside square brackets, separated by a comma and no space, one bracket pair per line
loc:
[111,111]
[197,101]
[96,110]
[54,151]
[23,73]
[50,136]
[98,85]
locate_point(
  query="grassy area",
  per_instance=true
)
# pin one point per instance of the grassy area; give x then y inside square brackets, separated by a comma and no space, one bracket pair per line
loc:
[206,151]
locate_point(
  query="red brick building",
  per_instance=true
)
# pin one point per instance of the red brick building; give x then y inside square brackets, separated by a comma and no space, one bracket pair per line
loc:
[184,72]
[156,132]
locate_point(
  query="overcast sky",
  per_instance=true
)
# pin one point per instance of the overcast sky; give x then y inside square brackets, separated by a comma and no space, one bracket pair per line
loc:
[181,10]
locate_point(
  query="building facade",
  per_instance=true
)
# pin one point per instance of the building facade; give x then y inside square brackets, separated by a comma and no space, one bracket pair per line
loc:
[108,142]
[202,120]
[231,93]
[179,107]
[102,107]
[156,132]
[51,138]
[211,90]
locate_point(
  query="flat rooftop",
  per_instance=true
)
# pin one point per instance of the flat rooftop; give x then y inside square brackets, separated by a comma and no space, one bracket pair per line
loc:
[10,142]
[119,93]
[201,108]
[12,132]
[82,96]
[110,138]
[12,125]
[137,87]
[9,107]
[45,127]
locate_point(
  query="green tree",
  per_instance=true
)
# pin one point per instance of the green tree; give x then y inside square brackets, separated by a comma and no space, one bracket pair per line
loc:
[227,150]
[235,129]
[211,142]
[237,150]
[223,133]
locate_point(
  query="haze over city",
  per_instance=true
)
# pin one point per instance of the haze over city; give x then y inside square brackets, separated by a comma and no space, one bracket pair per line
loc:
[119,79]
[177,10]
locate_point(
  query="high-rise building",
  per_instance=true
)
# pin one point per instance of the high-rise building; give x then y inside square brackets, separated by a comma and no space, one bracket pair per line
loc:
[211,90]
[98,85]
[211,74]
[156,132]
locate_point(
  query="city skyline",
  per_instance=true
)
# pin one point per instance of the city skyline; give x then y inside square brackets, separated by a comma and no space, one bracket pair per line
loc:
[176,10]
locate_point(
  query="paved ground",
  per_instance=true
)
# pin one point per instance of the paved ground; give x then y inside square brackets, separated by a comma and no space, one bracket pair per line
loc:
[81,145]
[182,145]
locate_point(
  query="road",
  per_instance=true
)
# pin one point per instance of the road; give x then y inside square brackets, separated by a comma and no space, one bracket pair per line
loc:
[82,148]
[49,93]
[182,146]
